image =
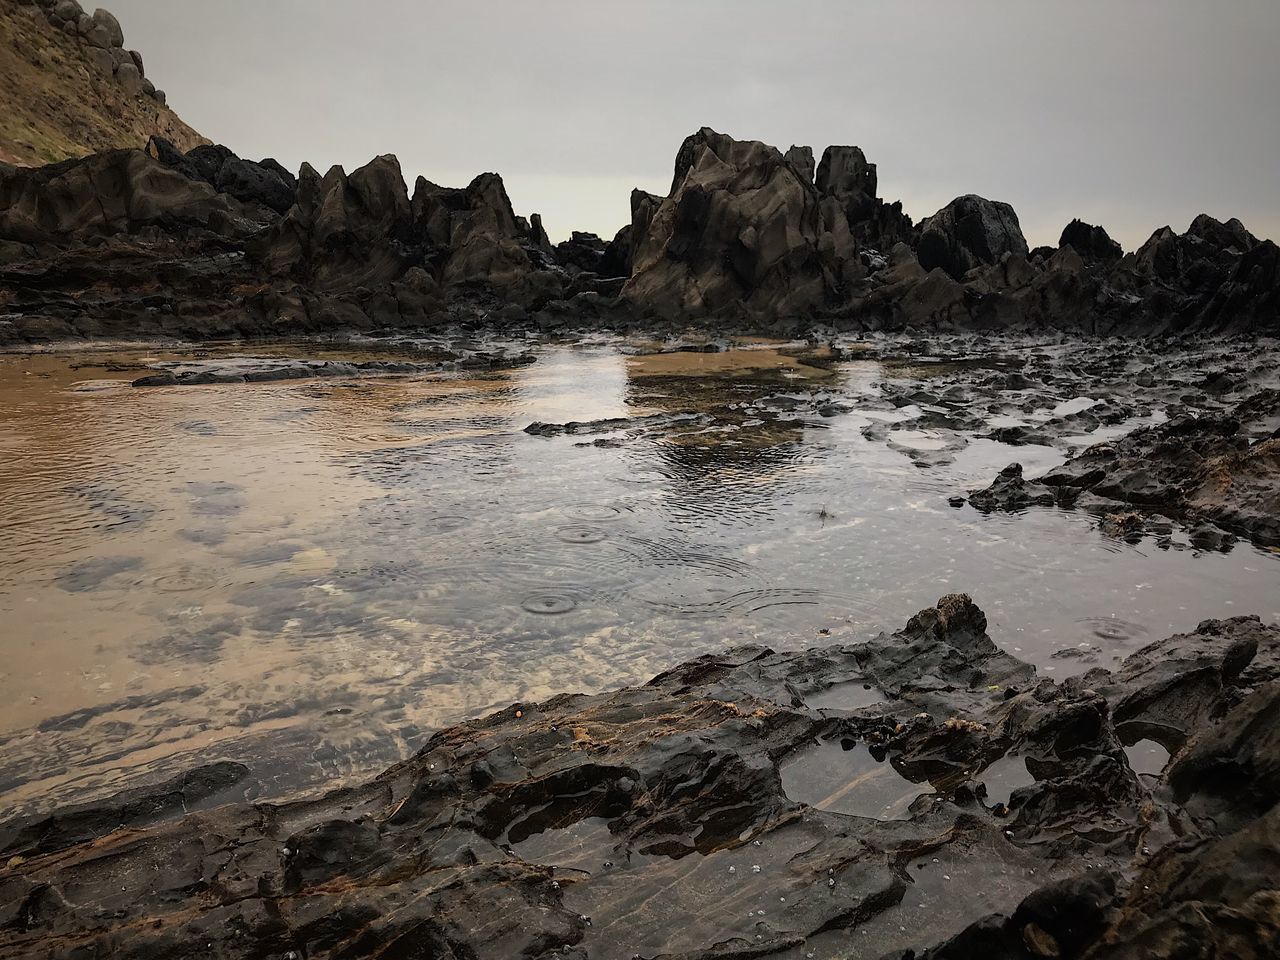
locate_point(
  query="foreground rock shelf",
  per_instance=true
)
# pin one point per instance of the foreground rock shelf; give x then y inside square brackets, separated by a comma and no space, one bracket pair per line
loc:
[922,791]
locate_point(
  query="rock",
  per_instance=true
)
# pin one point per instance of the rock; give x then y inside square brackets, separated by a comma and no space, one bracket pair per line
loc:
[801,160]
[136,57]
[103,194]
[101,60]
[1090,242]
[844,172]
[738,234]
[115,35]
[1214,469]
[160,97]
[969,232]
[129,79]
[67,11]
[265,184]
[583,822]
[582,250]
[1222,236]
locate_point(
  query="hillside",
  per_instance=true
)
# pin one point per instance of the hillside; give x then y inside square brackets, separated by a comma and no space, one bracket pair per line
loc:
[69,88]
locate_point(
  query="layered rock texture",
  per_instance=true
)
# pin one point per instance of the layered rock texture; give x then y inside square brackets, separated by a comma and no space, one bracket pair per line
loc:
[72,88]
[202,243]
[1215,473]
[919,794]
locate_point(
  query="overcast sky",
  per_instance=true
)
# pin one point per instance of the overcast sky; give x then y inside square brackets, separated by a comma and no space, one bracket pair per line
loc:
[1129,113]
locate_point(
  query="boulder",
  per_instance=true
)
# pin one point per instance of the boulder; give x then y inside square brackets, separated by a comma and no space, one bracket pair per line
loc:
[969,232]
[101,60]
[111,27]
[1090,242]
[129,78]
[67,11]
[136,57]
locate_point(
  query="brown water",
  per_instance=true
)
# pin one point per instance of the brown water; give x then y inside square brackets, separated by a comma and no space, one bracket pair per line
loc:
[310,576]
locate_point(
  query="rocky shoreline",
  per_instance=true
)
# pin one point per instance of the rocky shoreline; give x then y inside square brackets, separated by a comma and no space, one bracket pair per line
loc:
[920,794]
[205,244]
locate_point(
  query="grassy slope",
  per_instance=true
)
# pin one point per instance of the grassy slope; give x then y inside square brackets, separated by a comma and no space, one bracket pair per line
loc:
[55,105]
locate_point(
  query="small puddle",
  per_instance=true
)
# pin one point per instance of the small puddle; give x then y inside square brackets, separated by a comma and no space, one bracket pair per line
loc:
[1147,758]
[1005,776]
[852,782]
[586,845]
[853,695]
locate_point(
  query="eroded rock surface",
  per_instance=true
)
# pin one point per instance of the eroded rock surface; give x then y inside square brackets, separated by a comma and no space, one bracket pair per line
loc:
[922,793]
[1222,470]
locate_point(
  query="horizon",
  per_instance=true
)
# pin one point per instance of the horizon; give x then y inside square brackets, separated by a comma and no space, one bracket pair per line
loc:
[533,107]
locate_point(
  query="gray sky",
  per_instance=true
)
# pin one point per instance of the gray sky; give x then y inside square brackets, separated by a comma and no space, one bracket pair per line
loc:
[1129,113]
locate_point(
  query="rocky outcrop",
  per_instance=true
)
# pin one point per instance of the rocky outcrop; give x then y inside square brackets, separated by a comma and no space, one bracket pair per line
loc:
[1090,242]
[1218,471]
[266,184]
[72,89]
[737,234]
[969,232]
[747,236]
[101,31]
[922,793]
[108,194]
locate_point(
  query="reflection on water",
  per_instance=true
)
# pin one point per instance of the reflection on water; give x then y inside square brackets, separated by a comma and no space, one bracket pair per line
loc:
[309,576]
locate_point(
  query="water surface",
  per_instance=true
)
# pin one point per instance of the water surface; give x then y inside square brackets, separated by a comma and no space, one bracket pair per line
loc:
[309,576]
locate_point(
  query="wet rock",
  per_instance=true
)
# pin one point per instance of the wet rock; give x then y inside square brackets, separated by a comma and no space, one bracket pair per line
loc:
[587,822]
[1197,470]
[609,425]
[1011,491]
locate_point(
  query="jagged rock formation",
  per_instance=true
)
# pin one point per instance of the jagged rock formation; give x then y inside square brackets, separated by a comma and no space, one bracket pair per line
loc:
[1090,242]
[72,88]
[747,236]
[737,233]
[919,794]
[968,233]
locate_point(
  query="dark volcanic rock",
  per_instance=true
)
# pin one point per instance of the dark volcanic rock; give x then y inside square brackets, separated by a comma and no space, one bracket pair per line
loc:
[738,234]
[968,232]
[108,193]
[1092,243]
[746,236]
[582,250]
[1220,469]
[714,813]
[265,184]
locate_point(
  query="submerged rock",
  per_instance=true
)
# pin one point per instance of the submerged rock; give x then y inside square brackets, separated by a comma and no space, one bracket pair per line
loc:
[585,824]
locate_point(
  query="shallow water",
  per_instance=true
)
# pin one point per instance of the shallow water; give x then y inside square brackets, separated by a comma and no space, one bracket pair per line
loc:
[309,576]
